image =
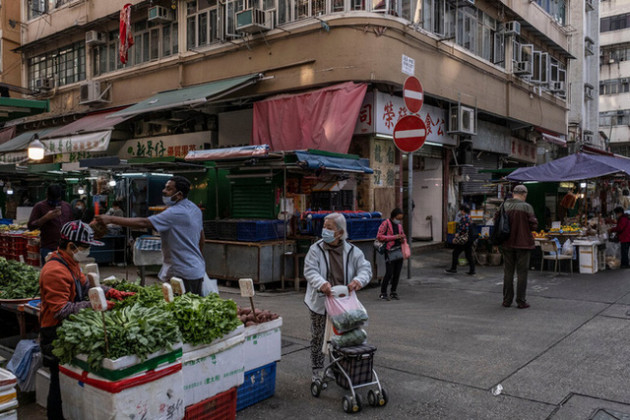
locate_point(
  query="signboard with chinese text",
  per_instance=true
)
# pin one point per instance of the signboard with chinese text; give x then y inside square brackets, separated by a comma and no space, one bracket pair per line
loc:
[380,112]
[523,150]
[383,162]
[162,146]
[408,65]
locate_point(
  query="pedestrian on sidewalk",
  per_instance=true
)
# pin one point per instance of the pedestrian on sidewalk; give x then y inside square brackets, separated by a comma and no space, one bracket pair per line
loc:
[392,235]
[623,231]
[331,261]
[181,229]
[463,241]
[517,248]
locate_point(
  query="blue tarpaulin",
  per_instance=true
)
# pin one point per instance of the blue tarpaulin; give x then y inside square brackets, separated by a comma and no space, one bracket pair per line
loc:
[315,161]
[576,167]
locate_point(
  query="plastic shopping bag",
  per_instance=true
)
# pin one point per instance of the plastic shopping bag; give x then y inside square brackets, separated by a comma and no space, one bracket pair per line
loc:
[208,286]
[346,313]
[406,250]
[349,339]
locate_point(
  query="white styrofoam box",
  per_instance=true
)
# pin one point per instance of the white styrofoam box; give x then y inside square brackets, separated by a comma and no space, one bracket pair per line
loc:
[86,397]
[588,259]
[7,380]
[263,344]
[9,415]
[214,368]
[127,361]
[42,385]
[8,399]
[238,331]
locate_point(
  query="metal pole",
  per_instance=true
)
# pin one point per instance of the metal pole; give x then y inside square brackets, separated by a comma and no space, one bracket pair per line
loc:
[409,208]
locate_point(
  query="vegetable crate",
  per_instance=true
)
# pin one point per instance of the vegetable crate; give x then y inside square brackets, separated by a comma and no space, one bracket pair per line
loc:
[263,344]
[227,230]
[219,407]
[259,230]
[155,394]
[211,369]
[210,229]
[363,228]
[259,385]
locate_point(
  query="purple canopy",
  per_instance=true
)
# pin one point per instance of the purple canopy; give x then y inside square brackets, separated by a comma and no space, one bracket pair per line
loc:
[572,168]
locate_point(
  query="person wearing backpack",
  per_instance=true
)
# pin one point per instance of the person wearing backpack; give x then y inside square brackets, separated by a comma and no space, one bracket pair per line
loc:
[623,231]
[391,234]
[517,248]
[463,241]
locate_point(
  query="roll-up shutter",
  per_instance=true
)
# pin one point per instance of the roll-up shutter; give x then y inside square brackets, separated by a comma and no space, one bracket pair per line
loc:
[479,183]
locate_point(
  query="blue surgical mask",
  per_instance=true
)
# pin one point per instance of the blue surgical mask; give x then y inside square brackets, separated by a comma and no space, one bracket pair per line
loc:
[397,221]
[328,235]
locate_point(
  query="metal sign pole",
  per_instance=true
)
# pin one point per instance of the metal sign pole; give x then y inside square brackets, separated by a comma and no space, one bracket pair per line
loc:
[409,208]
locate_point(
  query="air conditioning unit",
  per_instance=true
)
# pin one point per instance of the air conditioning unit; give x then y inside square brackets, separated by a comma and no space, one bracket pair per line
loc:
[588,93]
[462,120]
[159,14]
[252,20]
[44,83]
[556,87]
[588,138]
[95,38]
[589,5]
[92,93]
[522,68]
[512,28]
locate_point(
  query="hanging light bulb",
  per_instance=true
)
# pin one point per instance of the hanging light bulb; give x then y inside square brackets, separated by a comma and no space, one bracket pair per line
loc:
[112,183]
[81,190]
[9,189]
[36,149]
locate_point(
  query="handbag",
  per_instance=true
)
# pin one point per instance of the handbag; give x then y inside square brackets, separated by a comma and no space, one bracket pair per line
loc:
[461,239]
[394,254]
[406,250]
[379,246]
[501,231]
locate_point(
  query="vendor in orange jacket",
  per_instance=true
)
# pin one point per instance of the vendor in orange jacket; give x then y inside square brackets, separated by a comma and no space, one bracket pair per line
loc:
[64,291]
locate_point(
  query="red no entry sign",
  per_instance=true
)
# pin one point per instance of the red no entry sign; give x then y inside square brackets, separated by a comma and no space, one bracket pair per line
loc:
[413,94]
[410,133]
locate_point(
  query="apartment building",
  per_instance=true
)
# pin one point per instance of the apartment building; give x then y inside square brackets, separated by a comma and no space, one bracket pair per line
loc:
[10,26]
[614,69]
[494,75]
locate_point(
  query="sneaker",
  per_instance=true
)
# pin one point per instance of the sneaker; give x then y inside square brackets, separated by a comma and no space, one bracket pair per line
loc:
[450,271]
[506,304]
[523,305]
[383,296]
[394,296]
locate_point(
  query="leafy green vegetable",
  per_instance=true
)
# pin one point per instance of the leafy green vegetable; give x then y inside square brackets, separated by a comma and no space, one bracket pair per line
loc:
[133,330]
[18,280]
[146,296]
[123,286]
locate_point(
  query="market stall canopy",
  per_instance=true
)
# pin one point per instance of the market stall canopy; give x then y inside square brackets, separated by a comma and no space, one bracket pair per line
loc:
[13,108]
[314,160]
[90,142]
[97,121]
[169,164]
[189,96]
[228,153]
[576,167]
[21,141]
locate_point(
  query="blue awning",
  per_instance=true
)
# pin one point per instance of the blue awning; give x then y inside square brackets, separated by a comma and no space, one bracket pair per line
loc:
[332,163]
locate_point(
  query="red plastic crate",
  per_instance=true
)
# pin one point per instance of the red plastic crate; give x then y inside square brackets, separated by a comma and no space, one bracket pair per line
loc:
[220,407]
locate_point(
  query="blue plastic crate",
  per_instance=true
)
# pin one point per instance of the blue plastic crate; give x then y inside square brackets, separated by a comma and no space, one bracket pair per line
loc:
[363,228]
[260,384]
[259,230]
[6,221]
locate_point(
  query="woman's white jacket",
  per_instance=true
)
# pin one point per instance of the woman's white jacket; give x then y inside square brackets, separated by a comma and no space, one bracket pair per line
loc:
[316,265]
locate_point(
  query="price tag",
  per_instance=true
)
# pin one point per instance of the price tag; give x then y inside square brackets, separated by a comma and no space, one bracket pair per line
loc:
[97,299]
[94,279]
[247,287]
[556,225]
[92,268]
[167,291]
[178,286]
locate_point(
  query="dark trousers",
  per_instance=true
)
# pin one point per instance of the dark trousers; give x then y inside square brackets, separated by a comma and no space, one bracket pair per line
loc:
[193,286]
[392,274]
[515,260]
[467,248]
[54,409]
[318,328]
[625,247]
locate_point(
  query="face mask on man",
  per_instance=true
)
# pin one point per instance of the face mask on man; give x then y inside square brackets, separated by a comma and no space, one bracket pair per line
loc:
[328,235]
[80,254]
[168,201]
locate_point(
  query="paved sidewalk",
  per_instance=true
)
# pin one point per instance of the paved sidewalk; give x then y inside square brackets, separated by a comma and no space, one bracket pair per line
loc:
[448,342]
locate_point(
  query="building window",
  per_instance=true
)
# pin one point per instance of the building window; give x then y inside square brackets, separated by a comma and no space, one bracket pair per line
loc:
[151,42]
[202,24]
[614,118]
[64,65]
[615,23]
[555,8]
[614,54]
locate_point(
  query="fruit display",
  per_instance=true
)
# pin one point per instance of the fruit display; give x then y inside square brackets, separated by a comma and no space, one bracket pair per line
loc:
[567,229]
[539,235]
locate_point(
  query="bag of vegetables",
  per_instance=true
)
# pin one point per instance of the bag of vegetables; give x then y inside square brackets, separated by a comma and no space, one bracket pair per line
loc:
[346,313]
[349,339]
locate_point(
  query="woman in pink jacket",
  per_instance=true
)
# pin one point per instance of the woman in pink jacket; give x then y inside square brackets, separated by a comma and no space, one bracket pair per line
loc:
[391,234]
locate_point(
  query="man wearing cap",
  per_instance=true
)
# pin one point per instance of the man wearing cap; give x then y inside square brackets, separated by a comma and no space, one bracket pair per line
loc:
[64,291]
[517,248]
[181,229]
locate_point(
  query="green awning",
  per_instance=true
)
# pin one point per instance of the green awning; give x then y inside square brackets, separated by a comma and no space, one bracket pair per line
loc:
[21,141]
[12,108]
[189,96]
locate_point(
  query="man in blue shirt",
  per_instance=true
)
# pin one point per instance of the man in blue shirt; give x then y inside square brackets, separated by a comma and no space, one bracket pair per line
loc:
[181,229]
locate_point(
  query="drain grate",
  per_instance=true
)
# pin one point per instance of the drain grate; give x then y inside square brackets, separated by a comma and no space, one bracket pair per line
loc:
[608,414]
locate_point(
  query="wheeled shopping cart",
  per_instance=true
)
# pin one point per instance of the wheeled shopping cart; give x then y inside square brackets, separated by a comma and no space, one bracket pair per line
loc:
[352,368]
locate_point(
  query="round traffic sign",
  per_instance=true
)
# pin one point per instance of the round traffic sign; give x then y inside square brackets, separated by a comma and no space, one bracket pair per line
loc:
[410,133]
[413,94]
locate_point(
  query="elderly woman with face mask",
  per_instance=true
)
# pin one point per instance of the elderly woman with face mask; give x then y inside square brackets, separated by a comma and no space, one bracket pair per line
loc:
[331,261]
